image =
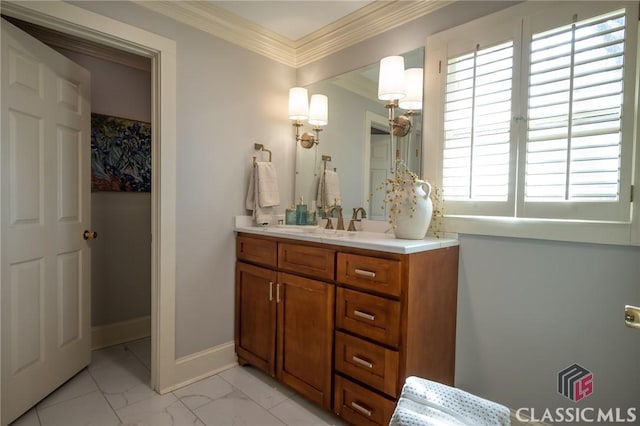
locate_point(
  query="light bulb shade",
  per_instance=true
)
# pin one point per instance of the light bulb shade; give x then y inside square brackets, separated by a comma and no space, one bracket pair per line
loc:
[413,90]
[391,78]
[298,103]
[319,110]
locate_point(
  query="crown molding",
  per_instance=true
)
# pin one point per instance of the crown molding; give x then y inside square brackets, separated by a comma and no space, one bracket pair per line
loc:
[227,26]
[367,22]
[364,23]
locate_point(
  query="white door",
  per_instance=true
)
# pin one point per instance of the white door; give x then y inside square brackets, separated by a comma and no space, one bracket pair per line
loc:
[379,165]
[45,190]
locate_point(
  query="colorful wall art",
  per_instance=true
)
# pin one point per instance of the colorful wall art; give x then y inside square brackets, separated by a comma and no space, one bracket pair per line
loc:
[120,154]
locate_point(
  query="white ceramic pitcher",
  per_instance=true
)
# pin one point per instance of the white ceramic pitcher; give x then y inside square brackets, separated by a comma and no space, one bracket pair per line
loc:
[412,223]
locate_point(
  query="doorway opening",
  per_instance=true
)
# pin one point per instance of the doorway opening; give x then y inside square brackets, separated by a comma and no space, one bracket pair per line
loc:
[121,217]
[72,20]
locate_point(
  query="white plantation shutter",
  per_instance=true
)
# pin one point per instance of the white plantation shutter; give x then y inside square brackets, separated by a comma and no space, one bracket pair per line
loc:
[574,135]
[574,111]
[537,122]
[477,120]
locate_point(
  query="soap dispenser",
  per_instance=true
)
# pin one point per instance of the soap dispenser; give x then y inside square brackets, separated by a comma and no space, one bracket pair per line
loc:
[290,215]
[301,212]
[311,213]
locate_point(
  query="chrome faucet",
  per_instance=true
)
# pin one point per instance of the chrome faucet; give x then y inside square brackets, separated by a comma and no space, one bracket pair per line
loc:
[354,218]
[340,226]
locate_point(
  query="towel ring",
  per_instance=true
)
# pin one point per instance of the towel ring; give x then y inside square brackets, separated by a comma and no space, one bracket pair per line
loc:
[260,147]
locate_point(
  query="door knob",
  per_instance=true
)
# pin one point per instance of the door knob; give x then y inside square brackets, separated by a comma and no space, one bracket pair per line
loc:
[89,235]
[632,316]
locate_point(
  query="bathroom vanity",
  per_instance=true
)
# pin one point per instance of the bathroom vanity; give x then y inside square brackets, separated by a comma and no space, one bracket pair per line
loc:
[344,318]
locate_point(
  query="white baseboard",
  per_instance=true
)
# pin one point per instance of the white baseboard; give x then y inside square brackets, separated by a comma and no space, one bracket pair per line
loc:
[194,367]
[120,332]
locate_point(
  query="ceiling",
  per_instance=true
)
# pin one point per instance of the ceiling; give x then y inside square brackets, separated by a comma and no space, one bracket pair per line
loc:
[292,19]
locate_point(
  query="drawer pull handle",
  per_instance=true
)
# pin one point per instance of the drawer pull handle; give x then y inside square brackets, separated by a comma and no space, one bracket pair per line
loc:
[365,273]
[361,409]
[364,315]
[270,291]
[361,361]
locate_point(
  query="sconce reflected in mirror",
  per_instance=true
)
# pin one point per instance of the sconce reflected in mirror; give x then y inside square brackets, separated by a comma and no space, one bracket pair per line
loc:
[401,88]
[316,113]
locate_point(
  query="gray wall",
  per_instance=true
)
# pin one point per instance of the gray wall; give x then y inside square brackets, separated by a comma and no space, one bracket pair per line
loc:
[529,308]
[228,98]
[121,256]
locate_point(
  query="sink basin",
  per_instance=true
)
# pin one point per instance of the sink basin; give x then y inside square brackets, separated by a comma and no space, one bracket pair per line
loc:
[358,235]
[294,229]
[323,233]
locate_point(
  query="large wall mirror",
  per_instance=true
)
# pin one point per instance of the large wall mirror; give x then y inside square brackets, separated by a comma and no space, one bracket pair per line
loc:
[356,143]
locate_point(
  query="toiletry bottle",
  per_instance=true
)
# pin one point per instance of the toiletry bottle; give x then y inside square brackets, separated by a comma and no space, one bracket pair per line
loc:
[311,214]
[290,215]
[301,212]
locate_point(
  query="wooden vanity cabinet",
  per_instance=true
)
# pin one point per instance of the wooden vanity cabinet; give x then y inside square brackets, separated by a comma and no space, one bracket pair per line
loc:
[346,326]
[284,316]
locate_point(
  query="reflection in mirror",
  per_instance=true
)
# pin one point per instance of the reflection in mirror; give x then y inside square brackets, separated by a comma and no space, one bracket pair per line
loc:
[358,142]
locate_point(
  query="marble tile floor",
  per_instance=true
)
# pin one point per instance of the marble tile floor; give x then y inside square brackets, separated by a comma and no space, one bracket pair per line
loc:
[114,390]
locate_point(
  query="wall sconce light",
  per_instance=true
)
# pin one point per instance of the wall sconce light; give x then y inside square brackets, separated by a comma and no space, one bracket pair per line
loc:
[401,88]
[412,100]
[317,113]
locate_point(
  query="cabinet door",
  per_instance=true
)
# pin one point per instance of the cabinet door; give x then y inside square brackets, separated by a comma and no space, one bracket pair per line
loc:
[255,328]
[305,336]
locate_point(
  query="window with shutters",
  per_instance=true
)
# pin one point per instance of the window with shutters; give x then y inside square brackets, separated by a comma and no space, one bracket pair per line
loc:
[477,122]
[535,118]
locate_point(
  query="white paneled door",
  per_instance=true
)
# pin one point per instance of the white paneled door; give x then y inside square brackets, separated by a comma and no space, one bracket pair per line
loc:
[45,190]
[379,165]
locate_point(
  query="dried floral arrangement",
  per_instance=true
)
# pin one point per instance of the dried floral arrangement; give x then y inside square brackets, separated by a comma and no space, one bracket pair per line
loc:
[436,226]
[395,193]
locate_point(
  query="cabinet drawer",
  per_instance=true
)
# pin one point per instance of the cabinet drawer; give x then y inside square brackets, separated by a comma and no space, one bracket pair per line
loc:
[369,273]
[367,362]
[314,261]
[360,406]
[370,316]
[257,250]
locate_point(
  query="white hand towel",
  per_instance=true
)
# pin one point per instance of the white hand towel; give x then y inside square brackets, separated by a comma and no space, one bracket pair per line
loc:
[268,193]
[250,202]
[320,198]
[263,193]
[329,189]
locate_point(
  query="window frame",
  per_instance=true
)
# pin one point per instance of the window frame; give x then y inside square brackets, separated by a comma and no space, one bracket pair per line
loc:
[486,219]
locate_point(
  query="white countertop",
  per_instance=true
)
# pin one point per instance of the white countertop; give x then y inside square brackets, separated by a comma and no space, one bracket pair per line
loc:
[381,241]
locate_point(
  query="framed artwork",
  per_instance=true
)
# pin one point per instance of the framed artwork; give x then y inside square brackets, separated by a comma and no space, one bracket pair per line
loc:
[120,154]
